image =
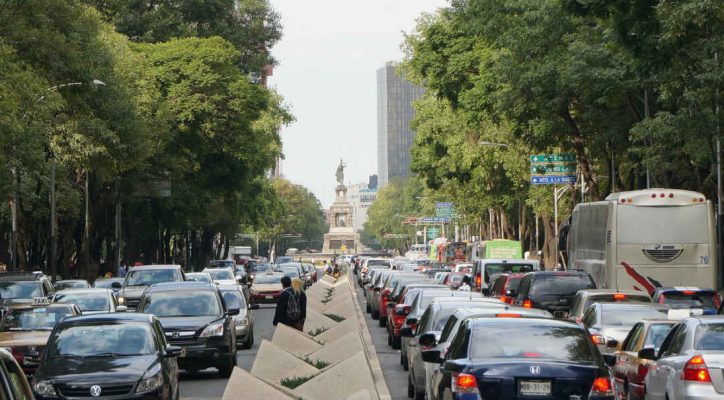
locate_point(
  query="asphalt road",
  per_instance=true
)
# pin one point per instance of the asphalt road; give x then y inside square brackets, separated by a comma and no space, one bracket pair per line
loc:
[395,376]
[206,385]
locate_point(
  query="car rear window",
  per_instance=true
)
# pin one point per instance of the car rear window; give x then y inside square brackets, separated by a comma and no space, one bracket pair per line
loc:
[441,318]
[628,316]
[600,298]
[514,282]
[561,284]
[529,341]
[709,337]
[697,300]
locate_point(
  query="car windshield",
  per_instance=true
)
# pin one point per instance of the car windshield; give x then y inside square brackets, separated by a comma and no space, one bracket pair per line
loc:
[261,268]
[628,316]
[600,298]
[85,301]
[37,318]
[105,283]
[561,284]
[181,304]
[222,264]
[656,334]
[709,337]
[696,300]
[506,340]
[268,278]
[220,274]
[205,278]
[20,290]
[103,340]
[233,299]
[148,277]
[70,285]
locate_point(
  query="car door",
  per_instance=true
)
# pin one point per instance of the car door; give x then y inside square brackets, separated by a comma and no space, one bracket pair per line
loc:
[658,379]
[626,357]
[417,368]
[17,384]
[170,364]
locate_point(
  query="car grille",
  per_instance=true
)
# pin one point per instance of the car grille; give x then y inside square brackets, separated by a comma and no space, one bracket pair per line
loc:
[132,303]
[663,255]
[84,390]
[182,338]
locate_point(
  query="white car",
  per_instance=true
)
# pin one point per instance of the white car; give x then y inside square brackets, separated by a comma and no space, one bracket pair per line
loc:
[90,301]
[690,362]
[222,276]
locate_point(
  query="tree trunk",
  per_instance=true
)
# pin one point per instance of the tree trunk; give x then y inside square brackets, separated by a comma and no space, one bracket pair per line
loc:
[549,243]
[580,149]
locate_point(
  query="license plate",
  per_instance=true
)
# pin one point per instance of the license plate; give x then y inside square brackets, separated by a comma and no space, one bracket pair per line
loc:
[269,297]
[535,388]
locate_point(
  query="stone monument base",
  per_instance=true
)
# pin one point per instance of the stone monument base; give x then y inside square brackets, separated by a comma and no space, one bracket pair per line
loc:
[341,243]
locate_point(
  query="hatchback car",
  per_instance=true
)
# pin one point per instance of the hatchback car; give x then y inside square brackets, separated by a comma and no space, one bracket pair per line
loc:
[266,288]
[630,370]
[690,363]
[140,278]
[512,358]
[222,276]
[707,300]
[584,298]
[504,287]
[609,323]
[118,356]
[90,301]
[194,316]
[551,290]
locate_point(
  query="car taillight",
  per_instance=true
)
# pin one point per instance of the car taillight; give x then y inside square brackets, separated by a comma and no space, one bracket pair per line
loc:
[642,371]
[601,387]
[464,383]
[598,339]
[478,281]
[507,315]
[717,300]
[527,303]
[695,370]
[619,296]
[505,299]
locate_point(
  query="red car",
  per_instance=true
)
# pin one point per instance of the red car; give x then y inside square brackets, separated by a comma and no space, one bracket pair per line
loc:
[397,316]
[266,288]
[504,287]
[454,280]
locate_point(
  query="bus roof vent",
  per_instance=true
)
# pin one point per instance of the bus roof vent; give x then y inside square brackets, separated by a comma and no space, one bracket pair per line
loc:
[662,254]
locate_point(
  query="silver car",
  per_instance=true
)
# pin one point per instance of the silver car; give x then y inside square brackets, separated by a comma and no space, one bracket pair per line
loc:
[234,297]
[610,323]
[90,301]
[690,363]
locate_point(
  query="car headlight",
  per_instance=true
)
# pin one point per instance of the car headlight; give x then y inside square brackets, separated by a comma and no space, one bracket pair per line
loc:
[121,301]
[213,330]
[44,388]
[154,382]
[243,321]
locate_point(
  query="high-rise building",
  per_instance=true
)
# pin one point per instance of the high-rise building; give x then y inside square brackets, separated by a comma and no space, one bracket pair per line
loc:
[394,113]
[361,196]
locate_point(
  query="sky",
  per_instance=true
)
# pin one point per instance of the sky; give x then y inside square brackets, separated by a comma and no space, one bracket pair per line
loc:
[328,58]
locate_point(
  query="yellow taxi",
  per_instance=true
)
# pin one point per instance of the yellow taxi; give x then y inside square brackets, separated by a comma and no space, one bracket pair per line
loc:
[25,329]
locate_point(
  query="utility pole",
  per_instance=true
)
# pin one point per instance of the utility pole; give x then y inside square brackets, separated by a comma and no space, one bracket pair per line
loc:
[53,224]
[719,221]
[86,230]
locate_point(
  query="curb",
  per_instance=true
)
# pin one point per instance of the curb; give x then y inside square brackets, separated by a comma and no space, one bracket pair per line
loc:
[383,393]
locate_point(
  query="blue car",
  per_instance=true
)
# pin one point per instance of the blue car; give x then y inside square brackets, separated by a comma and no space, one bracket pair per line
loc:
[520,358]
[688,297]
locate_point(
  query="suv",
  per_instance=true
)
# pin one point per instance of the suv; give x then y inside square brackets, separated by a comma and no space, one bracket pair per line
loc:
[194,316]
[584,298]
[552,290]
[138,279]
[22,288]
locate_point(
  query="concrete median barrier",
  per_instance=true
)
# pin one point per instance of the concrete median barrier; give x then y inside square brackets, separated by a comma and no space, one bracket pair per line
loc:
[243,385]
[345,380]
[273,364]
[340,349]
[294,342]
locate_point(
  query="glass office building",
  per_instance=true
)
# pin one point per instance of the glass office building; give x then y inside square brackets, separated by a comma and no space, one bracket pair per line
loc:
[395,96]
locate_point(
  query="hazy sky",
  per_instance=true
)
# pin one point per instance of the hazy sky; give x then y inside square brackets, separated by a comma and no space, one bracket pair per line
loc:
[328,59]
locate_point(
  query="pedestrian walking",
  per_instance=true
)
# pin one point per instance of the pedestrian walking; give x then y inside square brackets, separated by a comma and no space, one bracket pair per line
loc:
[122,270]
[465,286]
[299,291]
[288,310]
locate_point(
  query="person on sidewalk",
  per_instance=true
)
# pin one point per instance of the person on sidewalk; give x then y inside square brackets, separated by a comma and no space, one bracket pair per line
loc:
[299,291]
[465,286]
[288,310]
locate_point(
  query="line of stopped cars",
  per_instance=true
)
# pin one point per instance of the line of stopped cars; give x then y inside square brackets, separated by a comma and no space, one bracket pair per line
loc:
[523,333]
[125,338]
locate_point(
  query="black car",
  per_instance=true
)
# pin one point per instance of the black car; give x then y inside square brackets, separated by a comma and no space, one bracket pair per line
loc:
[119,356]
[194,316]
[22,288]
[139,279]
[552,291]
[512,358]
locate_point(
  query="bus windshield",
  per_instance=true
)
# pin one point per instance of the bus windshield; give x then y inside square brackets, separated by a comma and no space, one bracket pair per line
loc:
[647,225]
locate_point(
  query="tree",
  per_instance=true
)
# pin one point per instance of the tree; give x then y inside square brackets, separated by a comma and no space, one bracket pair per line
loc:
[395,202]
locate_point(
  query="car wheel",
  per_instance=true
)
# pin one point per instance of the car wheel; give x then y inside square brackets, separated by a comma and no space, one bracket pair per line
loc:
[226,368]
[383,322]
[405,366]
[375,314]
[250,342]
[389,338]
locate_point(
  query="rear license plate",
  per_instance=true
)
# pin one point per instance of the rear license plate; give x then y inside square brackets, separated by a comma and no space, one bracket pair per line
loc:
[269,297]
[535,388]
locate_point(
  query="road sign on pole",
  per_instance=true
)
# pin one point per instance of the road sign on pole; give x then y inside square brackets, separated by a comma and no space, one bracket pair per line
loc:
[552,179]
[445,210]
[552,169]
[552,158]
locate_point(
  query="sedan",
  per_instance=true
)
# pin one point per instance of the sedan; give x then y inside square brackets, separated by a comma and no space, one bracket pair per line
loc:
[609,323]
[121,356]
[266,288]
[90,301]
[107,283]
[71,284]
[221,276]
[689,364]
[512,358]
[235,298]
[199,277]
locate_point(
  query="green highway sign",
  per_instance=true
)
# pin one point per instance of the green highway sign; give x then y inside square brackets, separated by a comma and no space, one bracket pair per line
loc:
[552,158]
[445,209]
[541,169]
[432,233]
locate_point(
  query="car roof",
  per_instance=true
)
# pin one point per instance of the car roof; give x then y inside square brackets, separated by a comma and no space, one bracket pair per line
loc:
[19,276]
[200,273]
[155,266]
[229,288]
[593,292]
[570,272]
[34,306]
[633,304]
[123,316]
[179,286]
[706,319]
[71,280]
[85,290]
[455,302]
[552,322]
[508,260]
[684,289]
[473,310]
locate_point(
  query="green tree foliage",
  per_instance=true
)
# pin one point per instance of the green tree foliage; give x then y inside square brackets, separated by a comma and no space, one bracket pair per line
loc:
[396,202]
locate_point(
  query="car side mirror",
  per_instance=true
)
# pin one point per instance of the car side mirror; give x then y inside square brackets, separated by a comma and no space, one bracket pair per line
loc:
[232,312]
[406,332]
[116,285]
[647,353]
[559,314]
[609,359]
[411,321]
[254,306]
[427,340]
[173,351]
[612,344]
[432,356]
[121,309]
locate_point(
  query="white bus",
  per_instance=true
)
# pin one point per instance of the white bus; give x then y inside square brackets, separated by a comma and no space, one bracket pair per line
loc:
[645,239]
